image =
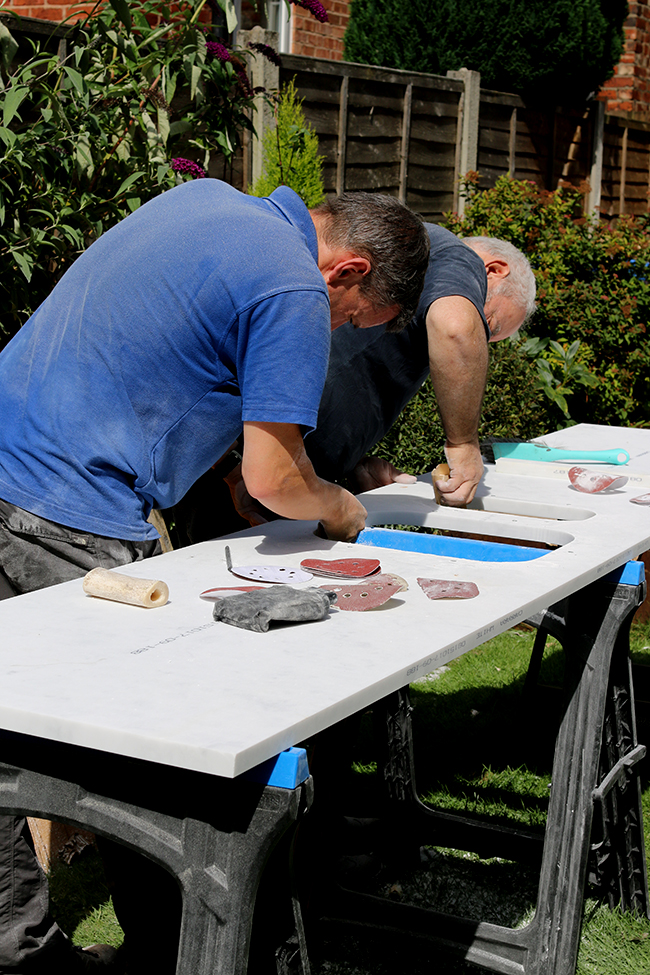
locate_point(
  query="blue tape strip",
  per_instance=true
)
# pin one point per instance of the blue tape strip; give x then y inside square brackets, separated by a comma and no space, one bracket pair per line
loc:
[456,548]
[286,770]
[630,574]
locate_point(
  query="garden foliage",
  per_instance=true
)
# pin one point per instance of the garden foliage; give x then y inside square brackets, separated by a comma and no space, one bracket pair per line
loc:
[87,137]
[593,287]
[553,48]
[585,357]
[140,97]
[290,152]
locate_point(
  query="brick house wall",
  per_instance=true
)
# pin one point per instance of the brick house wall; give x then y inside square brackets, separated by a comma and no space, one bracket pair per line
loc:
[52,10]
[316,40]
[629,88]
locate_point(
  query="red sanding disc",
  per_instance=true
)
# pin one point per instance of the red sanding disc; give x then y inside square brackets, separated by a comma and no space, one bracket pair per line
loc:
[591,482]
[366,595]
[448,589]
[341,568]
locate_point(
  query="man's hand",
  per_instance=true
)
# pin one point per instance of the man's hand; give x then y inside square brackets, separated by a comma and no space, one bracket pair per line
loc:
[374,472]
[465,472]
[278,473]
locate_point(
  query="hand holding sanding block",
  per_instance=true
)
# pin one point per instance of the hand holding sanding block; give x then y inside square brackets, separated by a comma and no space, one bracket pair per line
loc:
[106,584]
[439,473]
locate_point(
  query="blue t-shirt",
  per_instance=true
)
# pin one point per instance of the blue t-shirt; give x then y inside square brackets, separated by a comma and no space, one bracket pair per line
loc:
[203,309]
[373,375]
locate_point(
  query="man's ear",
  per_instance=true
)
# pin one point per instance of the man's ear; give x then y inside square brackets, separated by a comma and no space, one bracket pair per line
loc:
[348,270]
[496,268]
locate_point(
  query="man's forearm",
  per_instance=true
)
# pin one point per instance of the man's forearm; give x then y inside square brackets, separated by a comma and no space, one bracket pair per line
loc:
[278,473]
[458,360]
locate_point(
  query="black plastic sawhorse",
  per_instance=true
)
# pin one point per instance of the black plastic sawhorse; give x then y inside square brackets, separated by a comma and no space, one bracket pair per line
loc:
[594,818]
[213,834]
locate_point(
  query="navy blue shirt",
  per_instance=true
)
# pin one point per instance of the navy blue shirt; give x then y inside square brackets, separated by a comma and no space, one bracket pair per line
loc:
[203,309]
[373,375]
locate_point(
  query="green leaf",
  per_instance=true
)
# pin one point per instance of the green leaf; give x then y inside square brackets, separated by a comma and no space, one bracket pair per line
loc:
[76,79]
[179,127]
[163,124]
[83,156]
[8,46]
[121,8]
[133,202]
[7,136]
[13,99]
[24,263]
[228,8]
[128,182]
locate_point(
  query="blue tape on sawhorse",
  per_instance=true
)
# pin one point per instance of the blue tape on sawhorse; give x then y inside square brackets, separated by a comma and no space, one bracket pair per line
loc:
[455,548]
[286,770]
[630,574]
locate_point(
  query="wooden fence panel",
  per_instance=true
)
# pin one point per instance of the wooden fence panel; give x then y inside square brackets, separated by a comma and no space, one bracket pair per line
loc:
[391,131]
[626,167]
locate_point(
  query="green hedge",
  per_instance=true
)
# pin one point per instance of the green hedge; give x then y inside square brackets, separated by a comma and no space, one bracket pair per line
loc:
[554,49]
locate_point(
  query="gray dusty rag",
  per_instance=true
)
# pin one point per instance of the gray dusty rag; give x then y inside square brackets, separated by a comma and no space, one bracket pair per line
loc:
[256,610]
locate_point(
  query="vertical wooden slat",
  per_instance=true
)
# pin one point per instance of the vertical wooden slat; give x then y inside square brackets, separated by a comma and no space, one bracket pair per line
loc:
[343,128]
[552,150]
[621,188]
[512,144]
[406,138]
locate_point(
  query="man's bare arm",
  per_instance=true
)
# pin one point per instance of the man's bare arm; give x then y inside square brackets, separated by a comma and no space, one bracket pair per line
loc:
[278,473]
[458,359]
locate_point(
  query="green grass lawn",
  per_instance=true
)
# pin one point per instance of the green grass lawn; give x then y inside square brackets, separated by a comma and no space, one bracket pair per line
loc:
[481,750]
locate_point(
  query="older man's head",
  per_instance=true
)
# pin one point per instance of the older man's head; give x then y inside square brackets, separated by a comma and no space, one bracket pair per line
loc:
[511,285]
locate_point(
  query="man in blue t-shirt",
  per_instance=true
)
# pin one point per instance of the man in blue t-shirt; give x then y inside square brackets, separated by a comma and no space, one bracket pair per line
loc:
[476,291]
[203,314]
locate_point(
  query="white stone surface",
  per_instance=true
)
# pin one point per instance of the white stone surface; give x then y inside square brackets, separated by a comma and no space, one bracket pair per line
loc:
[172,686]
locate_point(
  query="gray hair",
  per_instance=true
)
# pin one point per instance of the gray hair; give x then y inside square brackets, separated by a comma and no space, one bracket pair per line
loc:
[519,285]
[394,240]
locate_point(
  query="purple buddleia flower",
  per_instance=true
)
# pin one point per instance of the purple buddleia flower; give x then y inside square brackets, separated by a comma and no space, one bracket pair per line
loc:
[315,8]
[185,167]
[244,82]
[269,53]
[218,51]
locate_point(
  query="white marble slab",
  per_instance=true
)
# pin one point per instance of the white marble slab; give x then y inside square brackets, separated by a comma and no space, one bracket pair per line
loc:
[172,686]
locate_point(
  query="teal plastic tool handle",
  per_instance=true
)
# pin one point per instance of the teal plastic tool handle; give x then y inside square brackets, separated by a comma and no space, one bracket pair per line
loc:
[531,451]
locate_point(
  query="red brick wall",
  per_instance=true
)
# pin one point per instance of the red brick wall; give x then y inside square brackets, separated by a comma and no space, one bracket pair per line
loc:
[629,89]
[53,10]
[316,40]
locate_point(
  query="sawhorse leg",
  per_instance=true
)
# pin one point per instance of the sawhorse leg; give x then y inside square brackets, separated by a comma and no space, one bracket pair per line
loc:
[595,754]
[213,835]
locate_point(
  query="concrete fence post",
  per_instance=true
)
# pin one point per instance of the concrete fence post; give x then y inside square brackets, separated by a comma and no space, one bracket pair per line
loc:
[469,109]
[596,173]
[263,74]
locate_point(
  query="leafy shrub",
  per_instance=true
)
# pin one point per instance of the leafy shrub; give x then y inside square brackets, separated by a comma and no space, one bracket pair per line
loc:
[560,48]
[593,287]
[514,407]
[86,139]
[290,152]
